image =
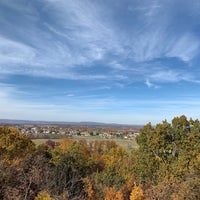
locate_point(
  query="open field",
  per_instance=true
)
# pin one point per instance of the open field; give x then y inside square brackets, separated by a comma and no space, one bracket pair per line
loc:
[124,143]
[42,141]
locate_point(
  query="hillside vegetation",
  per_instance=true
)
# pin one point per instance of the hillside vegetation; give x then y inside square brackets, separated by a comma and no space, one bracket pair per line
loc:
[166,166]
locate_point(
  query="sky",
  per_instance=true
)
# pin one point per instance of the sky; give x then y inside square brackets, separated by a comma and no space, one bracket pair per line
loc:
[111,61]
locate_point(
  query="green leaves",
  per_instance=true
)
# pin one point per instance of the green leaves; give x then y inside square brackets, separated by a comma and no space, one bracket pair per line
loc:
[169,153]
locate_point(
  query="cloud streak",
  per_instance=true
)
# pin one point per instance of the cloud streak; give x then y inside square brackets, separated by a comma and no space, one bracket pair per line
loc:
[74,34]
[106,47]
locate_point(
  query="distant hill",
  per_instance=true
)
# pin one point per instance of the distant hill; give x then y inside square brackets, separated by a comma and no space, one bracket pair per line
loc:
[30,122]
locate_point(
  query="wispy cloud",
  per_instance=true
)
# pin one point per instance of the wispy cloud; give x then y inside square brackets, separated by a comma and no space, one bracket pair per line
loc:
[15,53]
[170,76]
[76,34]
[186,48]
[90,47]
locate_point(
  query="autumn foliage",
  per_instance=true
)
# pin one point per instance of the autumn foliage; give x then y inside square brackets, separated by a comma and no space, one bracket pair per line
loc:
[165,166]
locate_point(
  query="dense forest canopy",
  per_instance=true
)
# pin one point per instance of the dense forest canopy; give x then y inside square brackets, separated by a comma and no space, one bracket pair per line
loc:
[165,166]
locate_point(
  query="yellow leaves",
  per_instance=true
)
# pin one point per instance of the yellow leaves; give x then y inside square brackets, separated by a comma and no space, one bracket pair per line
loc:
[43,195]
[137,194]
[195,163]
[114,156]
[108,159]
[158,158]
[111,194]
[14,145]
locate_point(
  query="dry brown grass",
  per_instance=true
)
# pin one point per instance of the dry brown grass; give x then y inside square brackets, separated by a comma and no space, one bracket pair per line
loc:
[124,143]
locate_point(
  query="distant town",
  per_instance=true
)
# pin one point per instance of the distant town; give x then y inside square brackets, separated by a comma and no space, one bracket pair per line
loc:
[59,130]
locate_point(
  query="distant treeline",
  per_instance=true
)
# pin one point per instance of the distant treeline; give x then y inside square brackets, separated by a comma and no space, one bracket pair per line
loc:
[166,166]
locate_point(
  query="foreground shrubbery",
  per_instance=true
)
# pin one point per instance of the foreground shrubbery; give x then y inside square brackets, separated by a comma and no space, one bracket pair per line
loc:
[165,166]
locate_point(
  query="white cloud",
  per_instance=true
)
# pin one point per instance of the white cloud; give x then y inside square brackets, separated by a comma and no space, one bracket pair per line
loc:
[150,85]
[185,48]
[66,39]
[76,34]
[156,42]
[13,52]
[171,76]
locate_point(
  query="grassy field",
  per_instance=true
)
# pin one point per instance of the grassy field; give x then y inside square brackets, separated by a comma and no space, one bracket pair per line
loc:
[124,143]
[42,141]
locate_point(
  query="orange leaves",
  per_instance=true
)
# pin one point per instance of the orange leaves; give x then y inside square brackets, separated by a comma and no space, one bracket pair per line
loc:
[66,143]
[89,189]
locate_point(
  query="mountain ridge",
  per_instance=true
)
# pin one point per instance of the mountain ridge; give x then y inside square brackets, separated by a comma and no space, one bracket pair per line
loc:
[82,123]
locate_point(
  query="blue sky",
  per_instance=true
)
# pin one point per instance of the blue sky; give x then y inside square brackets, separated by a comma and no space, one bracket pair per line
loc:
[120,61]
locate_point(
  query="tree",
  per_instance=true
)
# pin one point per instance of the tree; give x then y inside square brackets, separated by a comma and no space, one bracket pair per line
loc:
[137,193]
[25,179]
[43,195]
[13,145]
[166,161]
[72,163]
